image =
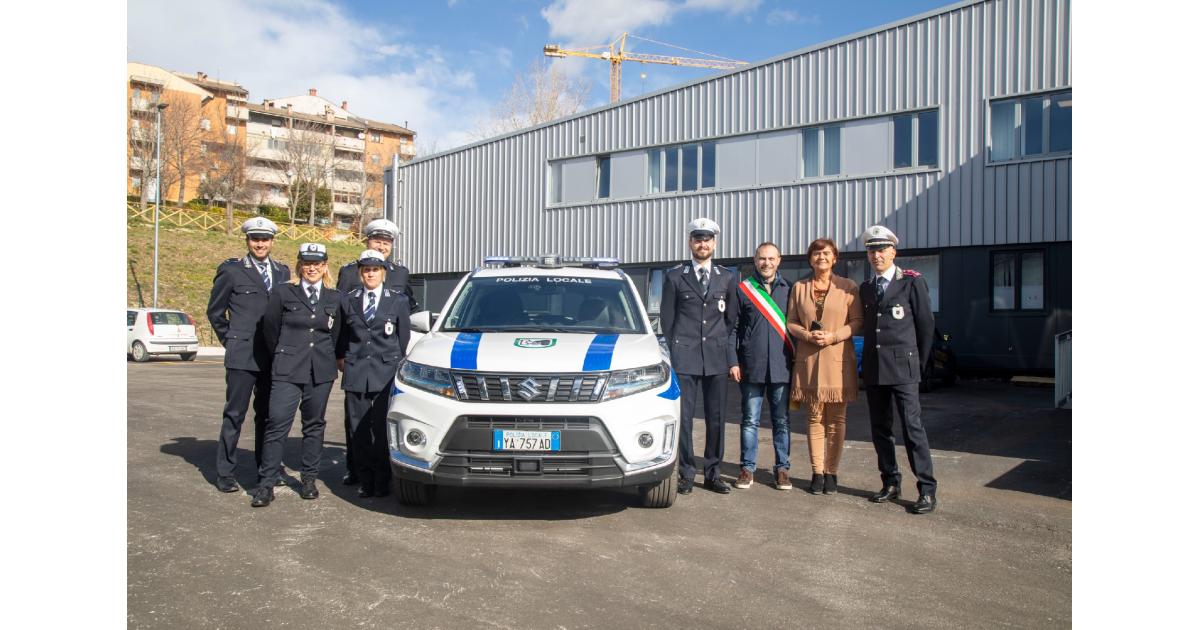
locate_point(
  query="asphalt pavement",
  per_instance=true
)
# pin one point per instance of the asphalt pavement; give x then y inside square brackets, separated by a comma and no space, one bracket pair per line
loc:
[996,553]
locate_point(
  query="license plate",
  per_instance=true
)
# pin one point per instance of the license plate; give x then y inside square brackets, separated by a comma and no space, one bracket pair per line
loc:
[177,348]
[525,440]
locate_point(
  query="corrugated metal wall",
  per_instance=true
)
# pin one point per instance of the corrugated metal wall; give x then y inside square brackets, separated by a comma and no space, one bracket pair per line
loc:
[490,198]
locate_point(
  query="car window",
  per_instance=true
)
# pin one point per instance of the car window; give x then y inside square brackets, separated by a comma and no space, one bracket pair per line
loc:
[558,303]
[132,317]
[169,318]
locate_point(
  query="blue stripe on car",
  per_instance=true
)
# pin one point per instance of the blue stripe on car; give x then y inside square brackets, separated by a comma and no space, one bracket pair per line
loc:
[671,392]
[599,354]
[405,459]
[465,353]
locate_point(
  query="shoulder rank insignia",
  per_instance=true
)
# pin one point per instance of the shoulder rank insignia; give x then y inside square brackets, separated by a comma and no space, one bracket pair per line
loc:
[912,274]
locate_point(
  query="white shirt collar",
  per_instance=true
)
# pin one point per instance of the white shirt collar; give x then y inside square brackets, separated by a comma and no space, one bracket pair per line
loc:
[305,285]
[697,265]
[888,274]
[378,291]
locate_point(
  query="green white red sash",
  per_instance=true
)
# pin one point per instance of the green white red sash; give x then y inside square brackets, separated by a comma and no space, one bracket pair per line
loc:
[758,296]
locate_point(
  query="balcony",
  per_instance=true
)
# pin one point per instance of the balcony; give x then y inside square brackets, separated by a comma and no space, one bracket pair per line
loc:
[349,144]
[234,112]
[265,174]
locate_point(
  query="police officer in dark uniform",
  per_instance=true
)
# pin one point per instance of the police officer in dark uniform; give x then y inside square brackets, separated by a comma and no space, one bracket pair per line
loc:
[381,234]
[301,328]
[372,342]
[897,340]
[697,314]
[235,310]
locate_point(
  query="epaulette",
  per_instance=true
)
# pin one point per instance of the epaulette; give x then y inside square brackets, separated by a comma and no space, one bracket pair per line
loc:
[679,266]
[231,260]
[357,293]
[912,274]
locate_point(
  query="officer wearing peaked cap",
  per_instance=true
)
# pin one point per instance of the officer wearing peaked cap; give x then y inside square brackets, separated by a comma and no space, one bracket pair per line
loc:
[697,314]
[381,235]
[235,310]
[897,339]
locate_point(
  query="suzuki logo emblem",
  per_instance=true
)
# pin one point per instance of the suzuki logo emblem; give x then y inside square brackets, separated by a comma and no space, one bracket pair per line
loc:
[528,389]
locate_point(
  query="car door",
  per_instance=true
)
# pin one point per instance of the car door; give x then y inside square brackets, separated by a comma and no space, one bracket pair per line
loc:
[131,321]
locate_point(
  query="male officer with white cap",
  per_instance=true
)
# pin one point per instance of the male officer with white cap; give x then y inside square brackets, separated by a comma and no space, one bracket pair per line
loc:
[697,314]
[381,234]
[897,340]
[235,310]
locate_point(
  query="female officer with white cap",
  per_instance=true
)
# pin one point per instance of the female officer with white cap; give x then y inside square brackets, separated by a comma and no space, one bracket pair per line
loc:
[372,342]
[301,328]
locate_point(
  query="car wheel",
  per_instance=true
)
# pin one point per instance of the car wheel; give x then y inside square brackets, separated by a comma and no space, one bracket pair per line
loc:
[139,352]
[188,356]
[661,494]
[414,492]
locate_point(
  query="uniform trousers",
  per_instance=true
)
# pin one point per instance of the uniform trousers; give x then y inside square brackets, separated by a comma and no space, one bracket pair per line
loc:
[285,398]
[908,404]
[239,384]
[713,387]
[350,466]
[367,415]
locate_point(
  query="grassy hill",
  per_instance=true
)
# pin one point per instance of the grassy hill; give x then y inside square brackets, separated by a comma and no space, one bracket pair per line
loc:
[187,262]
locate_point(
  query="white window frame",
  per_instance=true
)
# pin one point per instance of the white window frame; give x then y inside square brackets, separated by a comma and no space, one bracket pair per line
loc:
[1019,154]
[915,142]
[662,168]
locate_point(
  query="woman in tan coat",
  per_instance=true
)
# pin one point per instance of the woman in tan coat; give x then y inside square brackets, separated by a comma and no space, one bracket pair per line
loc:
[823,313]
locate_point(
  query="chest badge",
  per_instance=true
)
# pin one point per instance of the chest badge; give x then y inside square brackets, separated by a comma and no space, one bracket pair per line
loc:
[721,305]
[388,328]
[898,312]
[330,324]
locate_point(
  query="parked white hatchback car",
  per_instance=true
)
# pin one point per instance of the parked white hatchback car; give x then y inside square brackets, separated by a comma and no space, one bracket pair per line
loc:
[155,331]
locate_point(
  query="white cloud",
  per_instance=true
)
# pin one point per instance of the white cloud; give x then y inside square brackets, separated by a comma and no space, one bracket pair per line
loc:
[594,22]
[787,16]
[731,7]
[278,48]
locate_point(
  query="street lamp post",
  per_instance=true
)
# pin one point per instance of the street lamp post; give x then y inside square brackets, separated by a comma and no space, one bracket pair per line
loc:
[157,188]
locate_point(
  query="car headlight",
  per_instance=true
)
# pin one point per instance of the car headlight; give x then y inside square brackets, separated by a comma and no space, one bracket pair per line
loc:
[431,379]
[626,382]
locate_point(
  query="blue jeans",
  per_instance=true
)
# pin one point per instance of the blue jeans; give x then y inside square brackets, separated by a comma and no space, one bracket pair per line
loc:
[752,401]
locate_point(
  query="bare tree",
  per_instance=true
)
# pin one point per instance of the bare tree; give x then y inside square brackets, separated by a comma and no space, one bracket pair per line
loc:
[142,134]
[543,93]
[227,177]
[311,159]
[182,137]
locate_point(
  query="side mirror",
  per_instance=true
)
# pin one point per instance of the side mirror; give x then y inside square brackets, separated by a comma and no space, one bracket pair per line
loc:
[422,321]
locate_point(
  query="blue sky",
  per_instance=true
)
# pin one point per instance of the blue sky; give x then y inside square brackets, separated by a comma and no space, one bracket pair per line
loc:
[441,65]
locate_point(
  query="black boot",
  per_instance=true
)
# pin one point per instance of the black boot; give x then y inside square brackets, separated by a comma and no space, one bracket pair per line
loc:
[817,485]
[830,484]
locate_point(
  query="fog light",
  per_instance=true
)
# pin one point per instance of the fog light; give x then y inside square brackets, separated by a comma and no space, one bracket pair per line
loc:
[414,438]
[393,435]
[668,438]
[645,440]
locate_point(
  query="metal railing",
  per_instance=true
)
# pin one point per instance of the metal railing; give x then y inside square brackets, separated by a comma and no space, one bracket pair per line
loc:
[179,217]
[1062,370]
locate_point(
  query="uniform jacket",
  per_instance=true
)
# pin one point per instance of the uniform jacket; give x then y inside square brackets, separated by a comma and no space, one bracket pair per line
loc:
[301,336]
[826,374]
[235,310]
[372,350]
[396,281]
[696,326]
[898,332]
[753,343]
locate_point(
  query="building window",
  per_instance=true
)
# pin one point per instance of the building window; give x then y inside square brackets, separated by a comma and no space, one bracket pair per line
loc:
[231,130]
[1030,126]
[375,159]
[135,124]
[231,111]
[915,140]
[821,151]
[556,182]
[1018,281]
[205,124]
[603,176]
[930,269]
[277,144]
[685,167]
[375,137]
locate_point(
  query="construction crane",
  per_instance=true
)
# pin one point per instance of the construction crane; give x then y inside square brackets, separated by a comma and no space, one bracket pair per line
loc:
[616,54]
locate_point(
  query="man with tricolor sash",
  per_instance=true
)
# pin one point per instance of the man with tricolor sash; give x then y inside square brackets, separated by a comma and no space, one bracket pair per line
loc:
[760,352]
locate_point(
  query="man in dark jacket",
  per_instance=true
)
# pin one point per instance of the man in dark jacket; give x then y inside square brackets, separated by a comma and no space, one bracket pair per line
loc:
[697,314]
[897,340]
[235,310]
[761,353]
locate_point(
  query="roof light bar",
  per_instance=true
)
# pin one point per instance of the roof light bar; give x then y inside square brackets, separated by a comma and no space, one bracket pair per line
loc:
[552,261]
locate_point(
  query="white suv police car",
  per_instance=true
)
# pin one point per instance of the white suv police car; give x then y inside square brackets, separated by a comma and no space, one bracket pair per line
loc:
[541,372]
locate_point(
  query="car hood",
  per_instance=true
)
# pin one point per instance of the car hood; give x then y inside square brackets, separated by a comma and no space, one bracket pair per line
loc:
[536,352]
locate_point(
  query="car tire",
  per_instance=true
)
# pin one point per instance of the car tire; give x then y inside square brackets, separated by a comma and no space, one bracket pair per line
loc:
[661,494]
[414,492]
[139,352]
[188,356]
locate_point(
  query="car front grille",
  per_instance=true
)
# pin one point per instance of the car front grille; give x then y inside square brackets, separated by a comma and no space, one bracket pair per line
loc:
[529,388]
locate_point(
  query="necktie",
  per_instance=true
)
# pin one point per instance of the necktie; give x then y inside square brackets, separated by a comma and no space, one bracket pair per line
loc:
[262,268]
[879,289]
[704,280]
[370,312]
[312,295]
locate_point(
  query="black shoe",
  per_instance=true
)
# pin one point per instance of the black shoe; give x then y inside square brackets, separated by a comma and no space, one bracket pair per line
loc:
[262,496]
[817,485]
[924,505]
[383,488]
[308,489]
[227,484]
[717,485]
[280,482]
[366,490]
[888,493]
[685,486]
[830,484]
[350,479]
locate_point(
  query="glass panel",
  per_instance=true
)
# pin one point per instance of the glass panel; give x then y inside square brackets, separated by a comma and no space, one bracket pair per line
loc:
[929,267]
[1004,271]
[1060,122]
[169,318]
[1032,286]
[1004,124]
[833,150]
[1031,120]
[927,144]
[672,180]
[654,292]
[902,141]
[691,166]
[131,316]
[603,176]
[812,147]
[708,161]
[655,170]
[555,182]
[856,270]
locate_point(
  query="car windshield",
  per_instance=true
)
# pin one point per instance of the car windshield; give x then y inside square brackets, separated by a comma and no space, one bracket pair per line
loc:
[545,303]
[169,318]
